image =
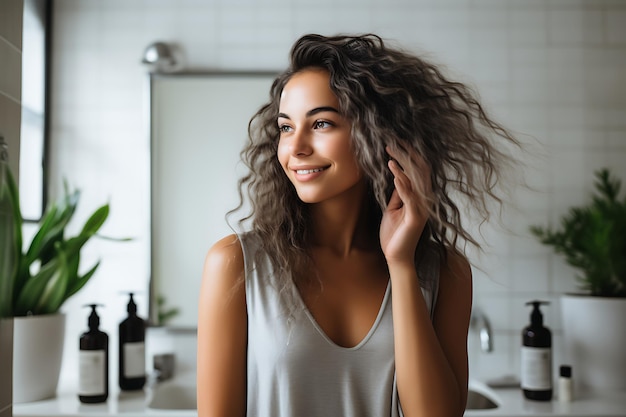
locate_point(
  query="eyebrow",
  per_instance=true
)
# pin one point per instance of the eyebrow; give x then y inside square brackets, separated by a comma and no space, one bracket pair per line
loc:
[313,112]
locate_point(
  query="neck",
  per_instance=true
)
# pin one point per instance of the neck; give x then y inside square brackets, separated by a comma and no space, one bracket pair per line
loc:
[343,224]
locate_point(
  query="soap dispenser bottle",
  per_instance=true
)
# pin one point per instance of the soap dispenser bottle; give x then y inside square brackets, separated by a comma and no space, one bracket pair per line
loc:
[536,357]
[132,352]
[94,362]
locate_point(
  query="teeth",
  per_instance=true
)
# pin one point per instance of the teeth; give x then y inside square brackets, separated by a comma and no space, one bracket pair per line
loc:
[308,171]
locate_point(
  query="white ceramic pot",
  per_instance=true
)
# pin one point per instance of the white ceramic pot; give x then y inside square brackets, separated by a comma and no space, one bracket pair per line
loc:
[595,341]
[6,366]
[37,354]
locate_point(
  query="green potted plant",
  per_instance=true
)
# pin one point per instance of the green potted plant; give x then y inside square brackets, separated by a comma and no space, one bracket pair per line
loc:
[592,239]
[35,281]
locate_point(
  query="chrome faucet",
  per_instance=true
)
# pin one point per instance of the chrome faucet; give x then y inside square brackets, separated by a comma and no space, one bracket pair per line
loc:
[480,320]
[164,366]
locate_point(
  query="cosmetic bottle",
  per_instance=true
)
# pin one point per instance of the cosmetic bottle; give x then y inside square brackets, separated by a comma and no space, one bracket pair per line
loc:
[94,362]
[536,357]
[132,351]
[565,384]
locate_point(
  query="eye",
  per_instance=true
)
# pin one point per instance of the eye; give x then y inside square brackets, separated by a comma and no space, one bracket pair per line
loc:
[321,124]
[284,128]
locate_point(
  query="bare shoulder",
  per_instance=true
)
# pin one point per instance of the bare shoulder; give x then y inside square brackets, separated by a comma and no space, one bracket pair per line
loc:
[227,246]
[455,281]
[224,261]
[454,301]
[455,267]
[222,295]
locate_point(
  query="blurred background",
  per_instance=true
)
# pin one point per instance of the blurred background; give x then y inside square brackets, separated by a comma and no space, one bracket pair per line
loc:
[551,70]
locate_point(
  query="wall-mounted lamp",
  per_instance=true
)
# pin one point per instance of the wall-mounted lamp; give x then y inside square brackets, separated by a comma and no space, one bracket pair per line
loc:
[159,57]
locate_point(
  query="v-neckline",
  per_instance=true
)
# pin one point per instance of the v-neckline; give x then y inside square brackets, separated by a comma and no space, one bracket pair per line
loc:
[322,333]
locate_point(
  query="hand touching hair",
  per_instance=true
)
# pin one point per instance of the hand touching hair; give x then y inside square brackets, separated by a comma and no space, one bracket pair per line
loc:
[394,99]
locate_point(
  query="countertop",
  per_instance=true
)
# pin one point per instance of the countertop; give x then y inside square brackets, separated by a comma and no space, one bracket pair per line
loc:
[513,404]
[510,400]
[128,404]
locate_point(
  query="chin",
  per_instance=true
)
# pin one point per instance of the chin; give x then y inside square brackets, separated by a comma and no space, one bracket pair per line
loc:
[307,199]
[310,197]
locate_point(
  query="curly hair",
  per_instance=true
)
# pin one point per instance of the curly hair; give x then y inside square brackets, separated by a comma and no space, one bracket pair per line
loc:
[392,98]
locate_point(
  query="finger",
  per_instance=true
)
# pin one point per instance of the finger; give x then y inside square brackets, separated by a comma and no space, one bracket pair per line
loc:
[396,169]
[401,182]
[405,190]
[398,174]
[397,156]
[415,167]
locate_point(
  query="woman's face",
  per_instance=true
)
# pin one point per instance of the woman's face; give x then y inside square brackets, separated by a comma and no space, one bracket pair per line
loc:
[315,146]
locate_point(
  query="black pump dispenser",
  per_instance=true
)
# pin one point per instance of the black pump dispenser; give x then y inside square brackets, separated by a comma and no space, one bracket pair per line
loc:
[536,356]
[132,355]
[94,320]
[536,318]
[94,361]
[131,307]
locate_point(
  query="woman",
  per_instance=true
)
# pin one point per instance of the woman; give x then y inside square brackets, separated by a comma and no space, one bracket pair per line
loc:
[350,296]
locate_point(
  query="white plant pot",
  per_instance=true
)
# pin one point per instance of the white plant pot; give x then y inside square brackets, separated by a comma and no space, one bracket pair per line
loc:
[595,341]
[37,355]
[6,366]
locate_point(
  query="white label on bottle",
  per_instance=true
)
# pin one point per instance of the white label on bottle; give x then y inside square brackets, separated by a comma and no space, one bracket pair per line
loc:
[565,389]
[134,360]
[536,368]
[92,372]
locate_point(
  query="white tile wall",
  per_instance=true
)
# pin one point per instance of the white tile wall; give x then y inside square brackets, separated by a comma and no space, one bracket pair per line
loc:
[552,70]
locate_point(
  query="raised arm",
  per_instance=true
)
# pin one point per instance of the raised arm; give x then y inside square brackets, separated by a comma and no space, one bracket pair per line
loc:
[222,332]
[430,356]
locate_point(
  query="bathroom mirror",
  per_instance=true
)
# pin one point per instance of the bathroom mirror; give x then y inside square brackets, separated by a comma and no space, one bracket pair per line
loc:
[198,126]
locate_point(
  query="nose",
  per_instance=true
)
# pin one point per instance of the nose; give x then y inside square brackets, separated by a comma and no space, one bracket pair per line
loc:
[300,144]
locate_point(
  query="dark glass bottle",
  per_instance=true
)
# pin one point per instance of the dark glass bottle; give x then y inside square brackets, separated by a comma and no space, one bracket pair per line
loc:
[132,353]
[536,378]
[94,362]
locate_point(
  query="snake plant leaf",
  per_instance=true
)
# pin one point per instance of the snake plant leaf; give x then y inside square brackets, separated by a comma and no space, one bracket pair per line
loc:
[11,230]
[8,258]
[56,257]
[52,229]
[73,262]
[32,290]
[42,253]
[73,245]
[49,220]
[79,281]
[93,224]
[54,292]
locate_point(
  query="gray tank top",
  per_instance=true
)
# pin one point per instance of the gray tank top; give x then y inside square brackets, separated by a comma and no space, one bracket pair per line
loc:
[296,370]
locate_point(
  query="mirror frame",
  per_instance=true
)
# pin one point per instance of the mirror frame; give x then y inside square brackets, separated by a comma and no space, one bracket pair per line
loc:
[150,100]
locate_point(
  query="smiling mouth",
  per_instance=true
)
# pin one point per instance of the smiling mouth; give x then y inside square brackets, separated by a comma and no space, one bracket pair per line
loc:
[309,171]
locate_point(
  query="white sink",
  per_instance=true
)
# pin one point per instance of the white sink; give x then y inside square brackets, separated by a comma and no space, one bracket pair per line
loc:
[181,395]
[481,397]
